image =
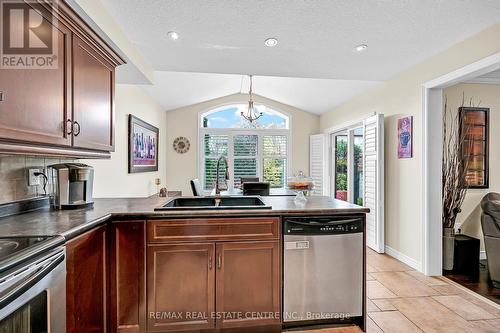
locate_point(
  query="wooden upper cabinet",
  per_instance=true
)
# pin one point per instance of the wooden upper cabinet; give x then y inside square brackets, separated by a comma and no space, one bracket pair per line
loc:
[93,94]
[87,282]
[248,283]
[63,110]
[128,285]
[36,102]
[181,287]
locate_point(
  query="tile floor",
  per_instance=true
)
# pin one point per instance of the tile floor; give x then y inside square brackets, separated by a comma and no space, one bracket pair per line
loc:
[401,300]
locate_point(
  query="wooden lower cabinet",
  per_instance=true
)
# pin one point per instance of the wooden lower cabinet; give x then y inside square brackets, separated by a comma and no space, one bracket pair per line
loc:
[181,287]
[87,282]
[118,282]
[128,274]
[248,284]
[213,285]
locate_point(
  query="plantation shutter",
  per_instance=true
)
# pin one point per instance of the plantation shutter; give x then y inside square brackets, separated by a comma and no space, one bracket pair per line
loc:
[214,146]
[374,181]
[245,149]
[317,163]
[274,153]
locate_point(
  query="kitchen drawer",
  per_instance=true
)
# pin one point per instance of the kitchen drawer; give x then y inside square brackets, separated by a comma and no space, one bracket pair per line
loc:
[213,229]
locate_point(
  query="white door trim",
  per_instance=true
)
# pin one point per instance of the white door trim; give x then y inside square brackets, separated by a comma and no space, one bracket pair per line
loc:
[432,152]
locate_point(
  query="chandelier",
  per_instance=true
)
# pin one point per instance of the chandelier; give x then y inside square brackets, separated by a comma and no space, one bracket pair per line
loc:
[251,114]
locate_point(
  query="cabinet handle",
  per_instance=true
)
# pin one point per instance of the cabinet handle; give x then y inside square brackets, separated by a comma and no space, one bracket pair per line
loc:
[210,262]
[219,262]
[69,126]
[77,128]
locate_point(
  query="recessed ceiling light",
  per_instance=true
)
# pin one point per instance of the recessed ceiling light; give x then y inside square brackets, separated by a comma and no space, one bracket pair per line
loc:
[360,47]
[173,35]
[271,42]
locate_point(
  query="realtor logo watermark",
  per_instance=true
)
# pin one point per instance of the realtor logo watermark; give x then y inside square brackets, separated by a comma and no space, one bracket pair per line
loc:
[28,35]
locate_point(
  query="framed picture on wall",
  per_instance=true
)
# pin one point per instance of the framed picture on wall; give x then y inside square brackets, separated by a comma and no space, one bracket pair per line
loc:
[142,146]
[405,137]
[475,131]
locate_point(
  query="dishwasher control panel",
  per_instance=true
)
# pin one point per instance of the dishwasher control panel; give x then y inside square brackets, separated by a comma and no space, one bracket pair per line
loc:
[323,225]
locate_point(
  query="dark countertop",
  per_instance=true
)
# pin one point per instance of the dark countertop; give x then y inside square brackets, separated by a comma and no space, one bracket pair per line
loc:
[70,223]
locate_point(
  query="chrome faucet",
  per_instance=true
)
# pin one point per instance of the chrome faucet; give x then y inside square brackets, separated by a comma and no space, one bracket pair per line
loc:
[226,176]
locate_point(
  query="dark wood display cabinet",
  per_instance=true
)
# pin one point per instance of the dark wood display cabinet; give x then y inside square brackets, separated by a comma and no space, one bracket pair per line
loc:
[67,110]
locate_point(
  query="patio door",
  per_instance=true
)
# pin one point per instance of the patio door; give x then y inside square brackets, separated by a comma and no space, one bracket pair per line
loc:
[348,164]
[357,172]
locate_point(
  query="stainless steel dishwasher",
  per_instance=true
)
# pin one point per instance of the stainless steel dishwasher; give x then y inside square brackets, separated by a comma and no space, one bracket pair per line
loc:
[323,269]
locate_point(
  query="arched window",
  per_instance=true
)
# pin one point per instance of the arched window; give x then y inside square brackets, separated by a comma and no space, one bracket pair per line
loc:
[259,149]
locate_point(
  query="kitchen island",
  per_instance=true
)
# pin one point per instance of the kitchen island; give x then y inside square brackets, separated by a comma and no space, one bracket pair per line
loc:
[133,269]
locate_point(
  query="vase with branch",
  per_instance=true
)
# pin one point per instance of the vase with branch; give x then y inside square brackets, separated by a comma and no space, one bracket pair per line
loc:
[454,180]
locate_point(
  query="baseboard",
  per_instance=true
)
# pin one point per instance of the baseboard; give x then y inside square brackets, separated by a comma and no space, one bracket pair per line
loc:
[403,258]
[482,255]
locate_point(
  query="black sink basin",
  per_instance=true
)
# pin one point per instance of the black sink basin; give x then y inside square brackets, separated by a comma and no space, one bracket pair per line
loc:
[196,203]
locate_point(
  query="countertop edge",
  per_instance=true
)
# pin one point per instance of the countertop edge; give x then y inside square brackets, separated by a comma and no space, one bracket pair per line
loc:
[84,227]
[81,229]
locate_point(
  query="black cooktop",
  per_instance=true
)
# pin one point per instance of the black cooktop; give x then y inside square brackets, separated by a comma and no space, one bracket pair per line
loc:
[12,245]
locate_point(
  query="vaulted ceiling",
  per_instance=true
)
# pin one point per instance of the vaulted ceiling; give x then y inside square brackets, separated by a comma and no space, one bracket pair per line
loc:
[316,39]
[177,89]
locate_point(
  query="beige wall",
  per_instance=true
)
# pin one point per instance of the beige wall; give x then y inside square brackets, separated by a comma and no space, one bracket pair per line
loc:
[111,176]
[488,95]
[184,122]
[402,96]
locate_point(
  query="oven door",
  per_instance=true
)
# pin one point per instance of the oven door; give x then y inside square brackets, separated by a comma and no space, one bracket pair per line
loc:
[33,296]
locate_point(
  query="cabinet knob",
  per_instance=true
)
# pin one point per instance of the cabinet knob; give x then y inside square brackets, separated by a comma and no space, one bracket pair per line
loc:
[69,126]
[2,96]
[76,129]
[219,262]
[210,262]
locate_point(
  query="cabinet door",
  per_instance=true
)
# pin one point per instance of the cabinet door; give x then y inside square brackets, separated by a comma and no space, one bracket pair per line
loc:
[248,283]
[181,287]
[93,94]
[36,102]
[128,285]
[86,282]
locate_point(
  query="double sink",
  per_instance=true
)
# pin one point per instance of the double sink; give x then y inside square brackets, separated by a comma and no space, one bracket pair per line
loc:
[209,203]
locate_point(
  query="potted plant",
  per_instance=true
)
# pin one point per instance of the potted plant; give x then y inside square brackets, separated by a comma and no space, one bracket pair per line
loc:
[453,182]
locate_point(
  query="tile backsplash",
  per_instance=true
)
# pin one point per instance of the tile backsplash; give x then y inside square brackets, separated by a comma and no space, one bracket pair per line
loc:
[14,176]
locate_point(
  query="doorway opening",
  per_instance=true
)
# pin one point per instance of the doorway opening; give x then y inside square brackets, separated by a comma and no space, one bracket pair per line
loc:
[432,241]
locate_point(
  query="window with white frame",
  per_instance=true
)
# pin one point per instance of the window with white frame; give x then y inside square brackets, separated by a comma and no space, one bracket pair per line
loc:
[258,150]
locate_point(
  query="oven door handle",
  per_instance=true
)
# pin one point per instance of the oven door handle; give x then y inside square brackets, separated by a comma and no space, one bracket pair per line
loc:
[325,223]
[39,273]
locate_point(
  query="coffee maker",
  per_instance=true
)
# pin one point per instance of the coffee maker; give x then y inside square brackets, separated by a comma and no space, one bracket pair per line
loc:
[71,185]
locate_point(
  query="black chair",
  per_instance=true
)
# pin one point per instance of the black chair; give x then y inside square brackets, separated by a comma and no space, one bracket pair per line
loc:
[249,179]
[196,187]
[255,188]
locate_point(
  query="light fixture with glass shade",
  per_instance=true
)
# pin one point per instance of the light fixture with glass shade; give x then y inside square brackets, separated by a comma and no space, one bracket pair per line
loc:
[251,114]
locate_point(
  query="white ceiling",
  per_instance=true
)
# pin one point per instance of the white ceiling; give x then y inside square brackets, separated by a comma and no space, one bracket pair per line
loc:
[175,89]
[316,38]
[313,67]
